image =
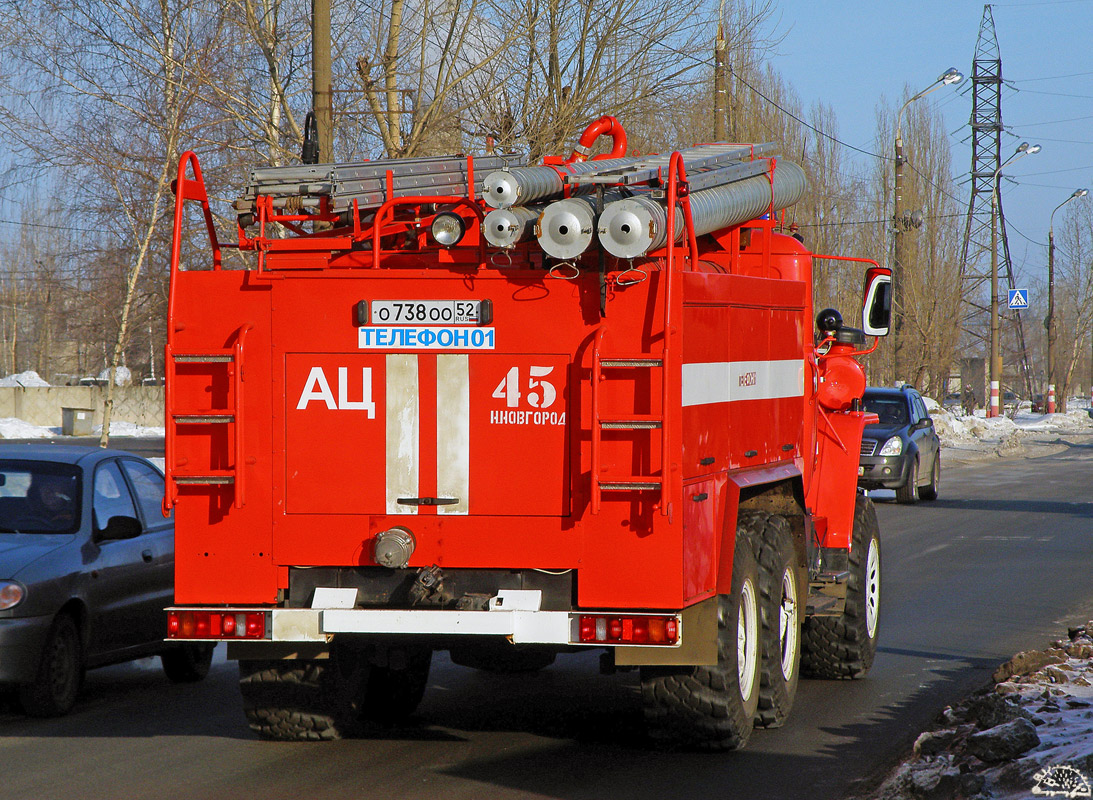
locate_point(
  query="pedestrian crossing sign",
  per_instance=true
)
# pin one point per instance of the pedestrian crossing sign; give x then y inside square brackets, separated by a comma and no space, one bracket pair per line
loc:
[1019,298]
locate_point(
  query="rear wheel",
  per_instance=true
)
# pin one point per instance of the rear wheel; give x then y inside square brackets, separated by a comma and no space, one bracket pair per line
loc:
[394,692]
[60,672]
[303,700]
[908,493]
[930,492]
[781,588]
[844,646]
[187,663]
[503,657]
[713,707]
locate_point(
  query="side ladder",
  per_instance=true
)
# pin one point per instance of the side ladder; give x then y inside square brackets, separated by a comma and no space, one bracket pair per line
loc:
[603,420]
[232,360]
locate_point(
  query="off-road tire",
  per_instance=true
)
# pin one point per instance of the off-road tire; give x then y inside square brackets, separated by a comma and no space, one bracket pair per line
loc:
[844,646]
[303,700]
[394,692]
[60,673]
[908,493]
[705,707]
[930,492]
[187,663]
[782,593]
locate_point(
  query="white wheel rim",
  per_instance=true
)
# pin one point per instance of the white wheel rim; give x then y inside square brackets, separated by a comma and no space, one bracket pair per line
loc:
[747,641]
[872,588]
[787,624]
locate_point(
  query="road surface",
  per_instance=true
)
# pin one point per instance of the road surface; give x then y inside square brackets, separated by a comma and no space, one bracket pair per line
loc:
[1000,563]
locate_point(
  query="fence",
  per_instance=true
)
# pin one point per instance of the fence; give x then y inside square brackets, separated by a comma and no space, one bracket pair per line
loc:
[141,405]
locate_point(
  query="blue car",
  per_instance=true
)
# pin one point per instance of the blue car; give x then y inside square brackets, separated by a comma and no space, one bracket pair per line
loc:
[86,571]
[902,451]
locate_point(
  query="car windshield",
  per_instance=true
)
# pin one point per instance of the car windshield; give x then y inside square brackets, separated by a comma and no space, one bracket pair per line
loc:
[891,410]
[39,497]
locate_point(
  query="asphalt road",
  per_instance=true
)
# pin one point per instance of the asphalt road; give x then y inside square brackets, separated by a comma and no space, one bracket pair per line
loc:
[1002,562]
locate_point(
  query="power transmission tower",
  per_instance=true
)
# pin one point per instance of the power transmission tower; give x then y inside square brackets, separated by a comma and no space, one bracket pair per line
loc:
[986,124]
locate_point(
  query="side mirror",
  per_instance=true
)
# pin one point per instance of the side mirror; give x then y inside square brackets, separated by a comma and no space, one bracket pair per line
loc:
[120,528]
[877,301]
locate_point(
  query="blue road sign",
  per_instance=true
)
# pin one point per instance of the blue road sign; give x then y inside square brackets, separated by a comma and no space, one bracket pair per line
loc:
[1019,298]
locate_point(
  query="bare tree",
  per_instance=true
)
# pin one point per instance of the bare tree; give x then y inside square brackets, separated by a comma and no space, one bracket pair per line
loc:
[124,73]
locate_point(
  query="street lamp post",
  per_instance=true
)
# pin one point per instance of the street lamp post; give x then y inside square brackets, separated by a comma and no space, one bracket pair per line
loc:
[996,352]
[1049,323]
[949,76]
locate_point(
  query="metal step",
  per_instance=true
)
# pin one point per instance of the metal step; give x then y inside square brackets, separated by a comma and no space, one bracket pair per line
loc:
[203,419]
[630,424]
[629,486]
[203,480]
[832,577]
[203,358]
[631,362]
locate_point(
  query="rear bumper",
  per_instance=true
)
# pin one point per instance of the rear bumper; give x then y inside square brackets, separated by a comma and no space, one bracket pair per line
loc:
[512,614]
[21,642]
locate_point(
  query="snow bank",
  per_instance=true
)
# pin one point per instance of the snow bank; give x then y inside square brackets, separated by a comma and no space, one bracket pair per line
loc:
[12,428]
[24,379]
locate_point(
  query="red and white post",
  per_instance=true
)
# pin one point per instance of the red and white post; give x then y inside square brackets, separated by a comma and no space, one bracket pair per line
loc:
[992,411]
[1051,398]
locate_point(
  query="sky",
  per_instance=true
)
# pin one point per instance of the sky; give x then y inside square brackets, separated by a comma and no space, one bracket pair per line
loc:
[850,54]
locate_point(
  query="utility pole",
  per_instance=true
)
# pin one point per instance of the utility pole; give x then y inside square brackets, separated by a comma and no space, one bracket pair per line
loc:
[720,90]
[1049,323]
[322,101]
[900,223]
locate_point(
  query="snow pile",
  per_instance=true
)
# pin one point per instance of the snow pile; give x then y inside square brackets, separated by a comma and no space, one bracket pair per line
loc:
[24,379]
[123,376]
[1030,732]
[12,428]
[131,429]
[1019,434]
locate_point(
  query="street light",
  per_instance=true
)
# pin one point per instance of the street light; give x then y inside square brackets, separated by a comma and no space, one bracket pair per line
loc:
[1050,321]
[948,77]
[1023,150]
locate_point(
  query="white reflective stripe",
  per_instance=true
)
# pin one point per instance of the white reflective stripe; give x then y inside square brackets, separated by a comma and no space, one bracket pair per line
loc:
[403,438]
[730,381]
[453,431]
[525,627]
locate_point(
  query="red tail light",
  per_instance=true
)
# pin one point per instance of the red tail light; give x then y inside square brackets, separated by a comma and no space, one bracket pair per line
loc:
[210,624]
[629,629]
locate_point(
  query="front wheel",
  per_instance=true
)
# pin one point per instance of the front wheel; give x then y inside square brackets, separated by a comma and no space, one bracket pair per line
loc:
[714,707]
[908,493]
[845,646]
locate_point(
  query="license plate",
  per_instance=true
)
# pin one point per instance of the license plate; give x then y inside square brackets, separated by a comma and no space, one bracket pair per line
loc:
[426,312]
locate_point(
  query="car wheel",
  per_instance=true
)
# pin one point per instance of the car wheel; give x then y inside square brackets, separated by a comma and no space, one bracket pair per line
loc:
[187,663]
[908,493]
[60,672]
[930,492]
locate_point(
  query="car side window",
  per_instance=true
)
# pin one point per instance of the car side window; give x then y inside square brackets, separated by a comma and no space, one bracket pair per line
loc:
[922,413]
[914,409]
[111,495]
[148,487]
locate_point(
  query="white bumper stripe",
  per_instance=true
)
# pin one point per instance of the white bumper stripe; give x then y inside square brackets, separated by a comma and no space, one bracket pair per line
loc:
[525,627]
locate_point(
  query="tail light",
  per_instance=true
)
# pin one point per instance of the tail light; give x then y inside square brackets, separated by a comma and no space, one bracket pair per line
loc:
[629,629]
[216,624]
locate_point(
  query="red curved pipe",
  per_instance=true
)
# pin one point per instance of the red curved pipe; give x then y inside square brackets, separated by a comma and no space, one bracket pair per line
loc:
[604,126]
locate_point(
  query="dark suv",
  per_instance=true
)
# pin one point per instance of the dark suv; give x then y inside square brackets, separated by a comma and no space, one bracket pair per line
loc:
[902,451]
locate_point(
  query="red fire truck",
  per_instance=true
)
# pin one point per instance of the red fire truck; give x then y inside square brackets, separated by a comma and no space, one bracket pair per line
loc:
[509,412]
